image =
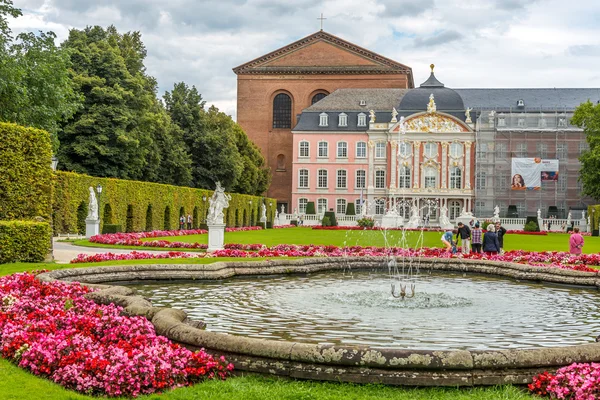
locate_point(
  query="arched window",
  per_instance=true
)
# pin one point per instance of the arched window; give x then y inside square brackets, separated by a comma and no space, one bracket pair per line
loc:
[282,111]
[281,162]
[431,178]
[317,97]
[321,206]
[456,150]
[322,179]
[430,149]
[341,206]
[404,176]
[380,206]
[380,179]
[404,149]
[455,178]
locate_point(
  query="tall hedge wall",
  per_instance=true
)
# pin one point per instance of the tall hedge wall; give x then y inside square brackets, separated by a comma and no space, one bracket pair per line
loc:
[594,213]
[25,172]
[25,241]
[147,203]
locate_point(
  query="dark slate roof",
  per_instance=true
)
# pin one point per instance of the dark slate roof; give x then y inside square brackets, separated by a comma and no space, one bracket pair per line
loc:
[534,99]
[445,99]
[349,100]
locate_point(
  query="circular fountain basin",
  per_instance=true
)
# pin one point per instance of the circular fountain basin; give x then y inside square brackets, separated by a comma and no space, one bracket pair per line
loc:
[449,311]
[459,330]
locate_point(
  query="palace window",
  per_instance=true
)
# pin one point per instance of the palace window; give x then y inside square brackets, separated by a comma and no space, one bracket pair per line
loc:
[341,178]
[317,97]
[430,150]
[282,111]
[323,119]
[456,150]
[542,123]
[358,206]
[404,149]
[562,121]
[362,119]
[322,179]
[341,206]
[455,208]
[361,179]
[480,180]
[321,206]
[521,121]
[342,119]
[404,177]
[501,120]
[361,150]
[542,150]
[379,206]
[304,150]
[455,178]
[562,181]
[561,151]
[502,181]
[380,179]
[380,148]
[302,205]
[303,178]
[342,149]
[323,149]
[482,149]
[522,150]
[430,178]
[501,150]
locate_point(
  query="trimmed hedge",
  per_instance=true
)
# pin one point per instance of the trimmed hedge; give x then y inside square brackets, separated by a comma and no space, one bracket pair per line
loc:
[148,204]
[25,241]
[25,173]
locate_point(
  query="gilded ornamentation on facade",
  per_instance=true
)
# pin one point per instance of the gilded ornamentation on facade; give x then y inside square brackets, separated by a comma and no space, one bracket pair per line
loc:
[433,123]
[431,107]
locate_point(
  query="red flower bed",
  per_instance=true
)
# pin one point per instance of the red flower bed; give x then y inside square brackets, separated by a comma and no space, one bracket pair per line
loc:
[53,331]
[374,228]
[576,382]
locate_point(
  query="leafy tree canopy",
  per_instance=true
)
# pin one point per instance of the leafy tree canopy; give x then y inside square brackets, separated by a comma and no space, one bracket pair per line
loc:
[587,116]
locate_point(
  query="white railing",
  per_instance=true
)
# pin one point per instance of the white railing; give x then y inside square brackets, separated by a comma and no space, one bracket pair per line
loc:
[559,225]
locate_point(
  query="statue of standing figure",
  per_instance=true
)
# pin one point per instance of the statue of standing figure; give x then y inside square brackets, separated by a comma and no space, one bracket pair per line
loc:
[539,213]
[496,213]
[282,209]
[218,202]
[263,212]
[444,220]
[92,206]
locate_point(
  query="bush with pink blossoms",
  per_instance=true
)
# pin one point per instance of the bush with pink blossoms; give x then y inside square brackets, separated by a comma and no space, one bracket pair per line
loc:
[575,382]
[53,331]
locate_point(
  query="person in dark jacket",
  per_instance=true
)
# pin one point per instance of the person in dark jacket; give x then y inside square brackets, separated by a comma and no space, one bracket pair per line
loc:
[500,232]
[491,245]
[464,232]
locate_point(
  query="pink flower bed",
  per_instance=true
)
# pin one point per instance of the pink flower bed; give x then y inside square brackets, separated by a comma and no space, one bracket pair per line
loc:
[283,226]
[374,228]
[555,259]
[52,331]
[575,382]
[134,238]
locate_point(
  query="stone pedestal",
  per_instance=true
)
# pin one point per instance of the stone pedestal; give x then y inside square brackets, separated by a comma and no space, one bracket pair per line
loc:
[263,221]
[216,237]
[92,227]
[413,222]
[391,220]
[541,226]
[583,226]
[447,226]
[465,219]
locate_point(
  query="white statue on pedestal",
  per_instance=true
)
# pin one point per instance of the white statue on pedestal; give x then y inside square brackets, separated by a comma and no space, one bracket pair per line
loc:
[496,213]
[583,215]
[569,217]
[263,213]
[218,202]
[539,213]
[364,210]
[402,126]
[282,209]
[468,115]
[92,206]
[444,220]
[414,220]
[372,116]
[394,115]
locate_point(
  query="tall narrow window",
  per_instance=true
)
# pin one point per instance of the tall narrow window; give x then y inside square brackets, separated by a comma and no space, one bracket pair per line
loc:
[282,111]
[430,150]
[342,150]
[322,179]
[362,120]
[302,205]
[361,179]
[380,148]
[303,178]
[481,180]
[341,179]
[455,178]
[321,206]
[561,151]
[455,208]
[456,150]
[304,149]
[379,206]
[361,150]
[404,176]
[323,149]
[343,120]
[317,97]
[501,150]
[341,206]
[430,178]
[380,179]
[404,149]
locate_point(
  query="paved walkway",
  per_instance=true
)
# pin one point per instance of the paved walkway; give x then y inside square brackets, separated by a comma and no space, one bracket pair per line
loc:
[64,252]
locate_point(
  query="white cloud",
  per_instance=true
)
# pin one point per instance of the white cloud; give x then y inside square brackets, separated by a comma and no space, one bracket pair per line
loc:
[474,43]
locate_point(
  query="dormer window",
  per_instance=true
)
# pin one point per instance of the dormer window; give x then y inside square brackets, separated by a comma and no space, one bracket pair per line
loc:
[520,103]
[363,103]
[562,121]
[362,120]
[521,121]
[323,119]
[342,119]
[501,120]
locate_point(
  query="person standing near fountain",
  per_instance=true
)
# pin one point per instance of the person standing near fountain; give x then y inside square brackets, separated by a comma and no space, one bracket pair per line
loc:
[500,232]
[476,238]
[576,241]
[491,245]
[465,236]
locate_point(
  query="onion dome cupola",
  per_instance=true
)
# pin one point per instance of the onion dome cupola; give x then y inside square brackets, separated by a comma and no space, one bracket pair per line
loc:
[445,99]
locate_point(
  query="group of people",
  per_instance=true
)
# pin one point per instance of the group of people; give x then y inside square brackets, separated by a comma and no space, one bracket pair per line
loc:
[475,240]
[185,222]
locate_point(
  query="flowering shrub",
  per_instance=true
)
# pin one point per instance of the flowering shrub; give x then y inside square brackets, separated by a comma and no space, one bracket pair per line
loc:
[374,228]
[577,382]
[51,330]
[520,232]
[283,226]
[365,222]
[554,259]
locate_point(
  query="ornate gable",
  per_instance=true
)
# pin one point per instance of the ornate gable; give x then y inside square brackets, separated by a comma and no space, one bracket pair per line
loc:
[432,123]
[313,55]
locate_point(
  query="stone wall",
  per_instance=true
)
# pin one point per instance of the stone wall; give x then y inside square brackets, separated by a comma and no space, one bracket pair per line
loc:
[360,364]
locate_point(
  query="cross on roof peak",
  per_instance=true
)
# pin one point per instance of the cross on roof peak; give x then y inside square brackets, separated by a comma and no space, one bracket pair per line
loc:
[321,18]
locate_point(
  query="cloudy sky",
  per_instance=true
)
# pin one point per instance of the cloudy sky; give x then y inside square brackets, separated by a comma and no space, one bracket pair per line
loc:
[474,43]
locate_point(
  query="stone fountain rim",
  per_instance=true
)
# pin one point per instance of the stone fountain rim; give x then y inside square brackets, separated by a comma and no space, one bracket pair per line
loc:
[329,362]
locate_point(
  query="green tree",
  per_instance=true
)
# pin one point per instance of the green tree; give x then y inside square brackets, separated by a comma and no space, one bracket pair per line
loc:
[257,176]
[587,116]
[35,89]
